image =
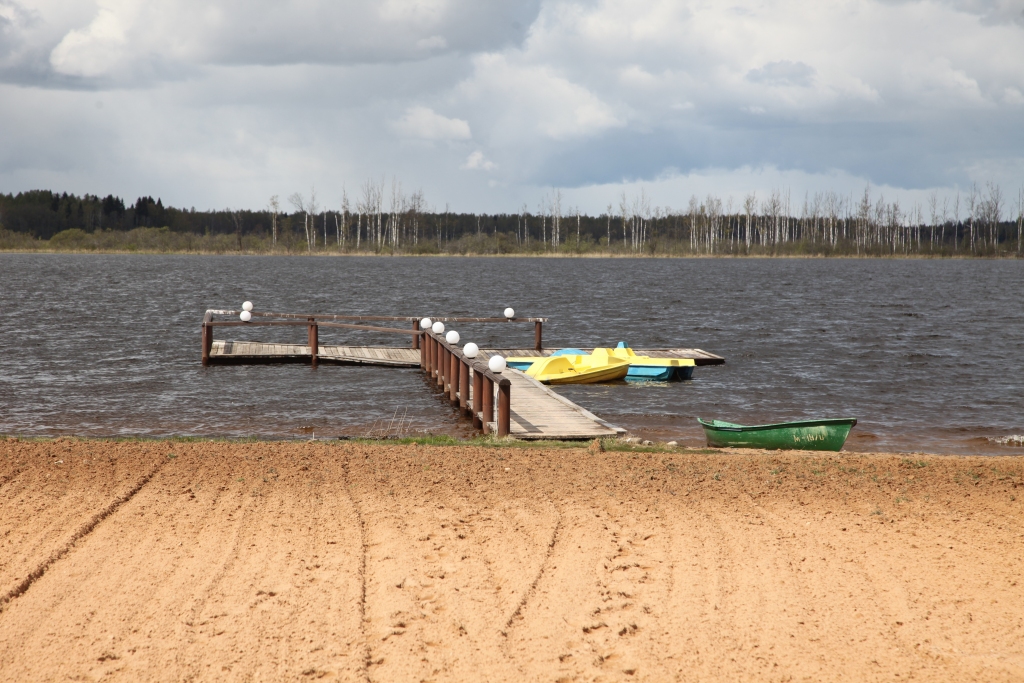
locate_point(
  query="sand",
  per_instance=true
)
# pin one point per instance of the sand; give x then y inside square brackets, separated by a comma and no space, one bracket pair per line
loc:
[267,561]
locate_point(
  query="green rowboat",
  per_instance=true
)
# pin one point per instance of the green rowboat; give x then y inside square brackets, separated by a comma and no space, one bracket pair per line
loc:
[810,435]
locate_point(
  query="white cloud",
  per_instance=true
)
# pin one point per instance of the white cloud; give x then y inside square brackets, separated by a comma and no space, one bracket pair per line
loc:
[535,99]
[100,46]
[477,161]
[136,41]
[426,124]
[783,72]
[241,98]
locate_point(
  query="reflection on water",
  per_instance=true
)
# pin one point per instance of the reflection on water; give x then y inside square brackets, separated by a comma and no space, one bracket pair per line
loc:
[926,354]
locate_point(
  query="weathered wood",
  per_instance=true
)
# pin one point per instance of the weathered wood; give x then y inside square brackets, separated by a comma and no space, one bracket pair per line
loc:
[478,401]
[464,371]
[504,407]
[379,318]
[314,341]
[487,411]
[207,341]
[416,335]
[442,366]
[453,379]
[537,341]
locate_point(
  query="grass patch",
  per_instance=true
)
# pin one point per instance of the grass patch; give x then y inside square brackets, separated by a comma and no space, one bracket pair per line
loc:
[914,463]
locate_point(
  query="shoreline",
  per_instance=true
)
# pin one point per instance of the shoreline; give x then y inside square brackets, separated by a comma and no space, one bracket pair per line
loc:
[172,559]
[894,257]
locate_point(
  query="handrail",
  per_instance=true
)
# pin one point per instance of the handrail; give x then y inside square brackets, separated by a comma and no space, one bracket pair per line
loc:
[452,369]
[293,323]
[406,318]
[314,320]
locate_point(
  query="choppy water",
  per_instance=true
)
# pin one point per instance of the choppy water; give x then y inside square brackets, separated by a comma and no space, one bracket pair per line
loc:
[926,354]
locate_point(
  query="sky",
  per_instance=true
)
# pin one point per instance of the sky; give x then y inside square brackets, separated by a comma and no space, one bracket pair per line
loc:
[490,105]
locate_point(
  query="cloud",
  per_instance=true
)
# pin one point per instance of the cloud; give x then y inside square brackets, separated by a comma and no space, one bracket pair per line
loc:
[243,98]
[135,41]
[477,161]
[426,124]
[531,99]
[783,72]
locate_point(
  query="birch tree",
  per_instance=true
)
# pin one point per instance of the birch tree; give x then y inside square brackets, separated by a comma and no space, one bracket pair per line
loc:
[275,208]
[299,202]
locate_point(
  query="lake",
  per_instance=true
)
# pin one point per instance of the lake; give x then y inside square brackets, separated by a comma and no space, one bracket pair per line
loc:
[927,354]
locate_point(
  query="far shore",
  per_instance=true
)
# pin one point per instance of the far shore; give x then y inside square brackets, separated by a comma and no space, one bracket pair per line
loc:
[551,255]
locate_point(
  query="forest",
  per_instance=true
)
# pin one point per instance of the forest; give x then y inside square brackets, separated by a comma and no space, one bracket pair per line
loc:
[383,219]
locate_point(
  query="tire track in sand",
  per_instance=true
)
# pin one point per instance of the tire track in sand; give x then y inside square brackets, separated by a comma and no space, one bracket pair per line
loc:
[599,601]
[452,549]
[346,465]
[84,530]
[239,566]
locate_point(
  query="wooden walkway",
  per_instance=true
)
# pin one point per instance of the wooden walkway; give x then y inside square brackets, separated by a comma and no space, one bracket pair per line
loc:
[536,412]
[258,352]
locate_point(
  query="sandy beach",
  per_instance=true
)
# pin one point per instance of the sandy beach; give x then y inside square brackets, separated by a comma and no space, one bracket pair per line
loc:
[173,561]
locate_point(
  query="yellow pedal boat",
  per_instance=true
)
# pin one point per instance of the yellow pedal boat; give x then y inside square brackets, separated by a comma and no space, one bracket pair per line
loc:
[641,368]
[599,366]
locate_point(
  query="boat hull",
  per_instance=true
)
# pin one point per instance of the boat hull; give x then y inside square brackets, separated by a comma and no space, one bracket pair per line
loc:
[658,373]
[810,435]
[641,369]
[587,377]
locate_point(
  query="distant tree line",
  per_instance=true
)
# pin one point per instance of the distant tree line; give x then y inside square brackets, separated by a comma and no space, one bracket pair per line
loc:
[383,219]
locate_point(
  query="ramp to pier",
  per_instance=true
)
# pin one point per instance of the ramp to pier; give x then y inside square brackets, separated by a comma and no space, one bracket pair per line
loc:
[537,412]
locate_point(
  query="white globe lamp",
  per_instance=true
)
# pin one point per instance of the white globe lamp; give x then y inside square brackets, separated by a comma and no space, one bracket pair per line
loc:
[246,316]
[510,312]
[496,364]
[470,350]
[247,306]
[437,327]
[452,337]
[425,324]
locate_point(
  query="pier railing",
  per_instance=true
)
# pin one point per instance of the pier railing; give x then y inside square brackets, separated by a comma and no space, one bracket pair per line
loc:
[455,374]
[314,321]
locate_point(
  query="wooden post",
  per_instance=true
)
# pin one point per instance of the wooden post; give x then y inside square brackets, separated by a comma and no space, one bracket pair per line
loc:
[504,407]
[478,392]
[453,378]
[423,352]
[207,342]
[415,337]
[537,336]
[464,385]
[431,354]
[442,365]
[488,401]
[314,340]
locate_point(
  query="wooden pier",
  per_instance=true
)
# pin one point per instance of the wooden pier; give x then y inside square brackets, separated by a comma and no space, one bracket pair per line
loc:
[245,352]
[509,403]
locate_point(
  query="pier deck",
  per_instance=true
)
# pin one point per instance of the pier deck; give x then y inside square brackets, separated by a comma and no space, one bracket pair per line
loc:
[535,411]
[258,352]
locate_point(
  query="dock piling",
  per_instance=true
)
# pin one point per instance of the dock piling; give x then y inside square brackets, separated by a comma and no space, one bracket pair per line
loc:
[464,404]
[478,404]
[487,413]
[504,407]
[314,340]
[453,378]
